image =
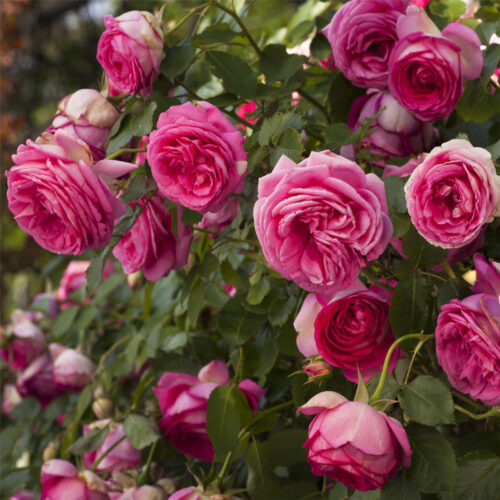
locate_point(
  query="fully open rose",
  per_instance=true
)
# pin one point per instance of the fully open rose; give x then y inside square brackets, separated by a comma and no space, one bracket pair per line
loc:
[319,220]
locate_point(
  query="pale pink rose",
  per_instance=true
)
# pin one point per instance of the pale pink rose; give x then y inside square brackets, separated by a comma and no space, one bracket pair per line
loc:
[152,244]
[217,221]
[468,346]
[25,341]
[141,493]
[427,67]
[362,34]
[22,495]
[86,115]
[57,197]
[319,222]
[72,370]
[352,443]
[60,479]
[452,193]
[130,51]
[189,493]
[123,456]
[396,132]
[197,156]
[488,276]
[11,398]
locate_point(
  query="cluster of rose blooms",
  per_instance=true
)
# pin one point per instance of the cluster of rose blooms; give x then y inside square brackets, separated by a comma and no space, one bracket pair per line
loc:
[319,222]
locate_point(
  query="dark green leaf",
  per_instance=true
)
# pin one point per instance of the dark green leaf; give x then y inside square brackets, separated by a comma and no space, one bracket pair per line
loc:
[89,442]
[341,96]
[137,188]
[195,302]
[395,194]
[280,309]
[494,149]
[236,324]
[177,59]
[399,489]
[277,64]
[27,410]
[218,33]
[84,318]
[401,224]
[451,10]
[285,447]
[478,476]
[64,321]
[477,104]
[190,217]
[107,286]
[260,480]
[420,253]
[273,127]
[258,291]
[140,430]
[289,145]
[97,263]
[14,480]
[260,353]
[339,134]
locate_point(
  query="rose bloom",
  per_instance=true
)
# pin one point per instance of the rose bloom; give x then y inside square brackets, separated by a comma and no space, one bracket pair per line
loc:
[350,330]
[352,443]
[72,370]
[123,456]
[319,220]
[452,193]
[57,197]
[427,67]
[183,403]
[86,115]
[130,51]
[23,344]
[362,34]
[197,157]
[60,479]
[396,131]
[151,244]
[468,346]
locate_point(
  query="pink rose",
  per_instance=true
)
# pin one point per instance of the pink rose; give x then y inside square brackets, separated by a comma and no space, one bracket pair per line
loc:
[351,330]
[57,197]
[60,479]
[246,111]
[427,67]
[396,131]
[362,34]
[318,222]
[487,276]
[468,346]
[189,493]
[183,403]
[141,493]
[452,193]
[86,115]
[130,51]
[352,443]
[22,495]
[123,456]
[151,244]
[24,345]
[72,370]
[217,221]
[197,157]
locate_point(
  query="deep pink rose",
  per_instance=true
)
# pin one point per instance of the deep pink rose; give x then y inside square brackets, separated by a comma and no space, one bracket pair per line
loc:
[468,346]
[362,34]
[152,244]
[23,344]
[86,115]
[57,197]
[246,111]
[452,193]
[427,67]
[123,456]
[319,222]
[60,479]
[487,276]
[351,330]
[140,493]
[130,51]
[396,131]
[352,443]
[72,370]
[217,221]
[197,157]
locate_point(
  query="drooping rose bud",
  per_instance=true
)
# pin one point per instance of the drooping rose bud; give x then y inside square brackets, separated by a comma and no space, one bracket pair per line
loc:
[72,370]
[86,115]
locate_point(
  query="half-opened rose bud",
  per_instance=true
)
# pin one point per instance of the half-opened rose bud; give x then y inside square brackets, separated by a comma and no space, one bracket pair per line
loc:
[130,51]
[86,115]
[72,370]
[23,344]
[316,368]
[352,443]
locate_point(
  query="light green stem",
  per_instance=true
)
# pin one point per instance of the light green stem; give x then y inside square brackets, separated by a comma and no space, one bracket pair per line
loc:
[111,448]
[493,412]
[144,474]
[223,471]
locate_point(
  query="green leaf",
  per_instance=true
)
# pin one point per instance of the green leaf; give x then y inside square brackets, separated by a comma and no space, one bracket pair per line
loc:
[451,10]
[14,480]
[280,309]
[419,252]
[258,291]
[97,263]
[89,442]
[196,302]
[401,224]
[140,430]
[190,217]
[395,194]
[477,104]
[64,321]
[136,189]
[27,410]
[217,33]
[433,466]
[290,145]
[341,96]
[223,420]
[491,58]
[108,286]
[338,492]
[339,134]
[277,64]
[494,149]
[260,353]
[260,481]
[236,324]
[273,127]
[236,75]
[399,489]
[177,59]
[285,447]
[84,318]
[426,400]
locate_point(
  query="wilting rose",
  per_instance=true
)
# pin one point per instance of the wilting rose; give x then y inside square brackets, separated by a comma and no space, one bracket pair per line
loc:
[23,344]
[152,244]
[57,197]
[468,346]
[217,221]
[183,403]
[130,51]
[319,220]
[427,67]
[197,157]
[72,370]
[352,443]
[122,456]
[362,34]
[396,131]
[86,115]
[140,493]
[452,193]
[60,479]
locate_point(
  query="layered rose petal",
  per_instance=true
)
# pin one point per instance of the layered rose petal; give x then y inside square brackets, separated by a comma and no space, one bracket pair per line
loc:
[488,276]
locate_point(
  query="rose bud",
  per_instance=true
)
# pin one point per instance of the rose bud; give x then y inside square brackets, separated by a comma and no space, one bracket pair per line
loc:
[123,456]
[102,408]
[23,345]
[60,479]
[72,370]
[197,157]
[11,398]
[352,443]
[50,451]
[140,493]
[452,193]
[130,51]
[316,368]
[86,115]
